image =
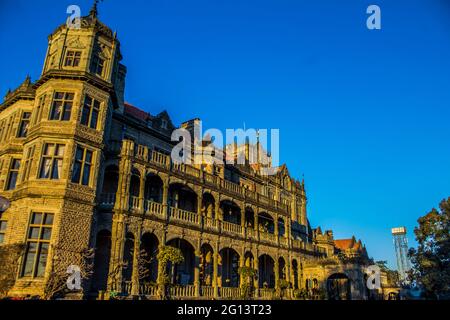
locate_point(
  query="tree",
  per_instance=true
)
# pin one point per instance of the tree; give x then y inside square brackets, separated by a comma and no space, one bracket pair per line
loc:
[167,254]
[431,260]
[57,279]
[9,257]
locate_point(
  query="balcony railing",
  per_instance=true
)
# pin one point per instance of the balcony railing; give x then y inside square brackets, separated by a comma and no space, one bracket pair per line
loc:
[230,292]
[164,161]
[134,203]
[148,290]
[182,291]
[207,291]
[183,215]
[231,227]
[152,207]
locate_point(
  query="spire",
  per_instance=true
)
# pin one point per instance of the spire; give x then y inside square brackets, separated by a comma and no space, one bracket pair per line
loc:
[94,12]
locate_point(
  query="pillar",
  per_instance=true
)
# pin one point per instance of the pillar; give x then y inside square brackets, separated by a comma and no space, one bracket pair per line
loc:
[197,259]
[277,273]
[215,271]
[256,279]
[165,199]
[142,193]
[116,260]
[136,253]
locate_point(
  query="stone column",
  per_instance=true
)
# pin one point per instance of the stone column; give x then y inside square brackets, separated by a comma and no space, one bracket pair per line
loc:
[243,222]
[277,273]
[117,245]
[241,264]
[142,193]
[256,279]
[215,270]
[197,259]
[135,273]
[165,199]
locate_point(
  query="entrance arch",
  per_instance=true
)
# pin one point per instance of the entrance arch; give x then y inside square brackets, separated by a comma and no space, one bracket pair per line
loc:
[182,273]
[338,287]
[266,266]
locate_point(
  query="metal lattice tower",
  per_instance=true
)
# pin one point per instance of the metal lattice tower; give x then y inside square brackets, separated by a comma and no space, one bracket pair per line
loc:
[401,251]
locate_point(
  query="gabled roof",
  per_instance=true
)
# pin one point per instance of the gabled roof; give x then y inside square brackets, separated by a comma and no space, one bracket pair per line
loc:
[344,244]
[136,112]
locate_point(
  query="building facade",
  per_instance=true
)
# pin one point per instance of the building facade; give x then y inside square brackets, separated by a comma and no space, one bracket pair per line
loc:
[83,170]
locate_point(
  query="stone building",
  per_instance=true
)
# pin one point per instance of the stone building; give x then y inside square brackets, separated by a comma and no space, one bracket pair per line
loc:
[83,169]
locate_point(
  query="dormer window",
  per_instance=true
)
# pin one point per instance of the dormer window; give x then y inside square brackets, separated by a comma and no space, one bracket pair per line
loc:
[72,59]
[97,65]
[164,124]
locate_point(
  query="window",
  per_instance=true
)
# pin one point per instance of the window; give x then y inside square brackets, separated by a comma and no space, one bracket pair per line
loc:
[38,242]
[27,164]
[40,106]
[2,230]
[164,123]
[62,106]
[23,126]
[52,160]
[82,166]
[97,65]
[2,129]
[13,173]
[72,59]
[89,114]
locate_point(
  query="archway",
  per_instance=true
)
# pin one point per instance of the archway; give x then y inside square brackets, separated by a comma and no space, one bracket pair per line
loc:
[153,190]
[231,211]
[208,205]
[128,253]
[135,185]
[266,271]
[101,260]
[206,265]
[148,255]
[295,273]
[281,227]
[229,267]
[282,268]
[182,197]
[338,287]
[249,217]
[183,273]
[265,222]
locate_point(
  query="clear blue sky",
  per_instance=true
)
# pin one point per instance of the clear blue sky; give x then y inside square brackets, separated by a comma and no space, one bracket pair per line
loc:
[364,115]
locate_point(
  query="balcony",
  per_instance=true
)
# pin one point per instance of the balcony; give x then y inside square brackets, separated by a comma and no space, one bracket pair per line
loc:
[184,216]
[155,208]
[107,199]
[164,161]
[231,228]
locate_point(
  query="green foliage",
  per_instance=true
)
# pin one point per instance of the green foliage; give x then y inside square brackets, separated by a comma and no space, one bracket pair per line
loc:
[431,260]
[300,294]
[283,284]
[167,254]
[247,274]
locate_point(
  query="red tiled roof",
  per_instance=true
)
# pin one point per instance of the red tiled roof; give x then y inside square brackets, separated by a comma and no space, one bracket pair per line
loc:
[344,244]
[136,112]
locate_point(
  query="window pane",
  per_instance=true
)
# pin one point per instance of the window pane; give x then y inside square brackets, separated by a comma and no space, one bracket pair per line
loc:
[88,156]
[76,172]
[67,111]
[48,149]
[34,233]
[85,115]
[59,95]
[42,260]
[2,225]
[69,96]
[86,173]
[37,218]
[29,259]
[15,164]
[59,150]
[45,169]
[46,233]
[56,110]
[79,154]
[48,219]
[57,168]
[94,119]
[12,181]
[2,237]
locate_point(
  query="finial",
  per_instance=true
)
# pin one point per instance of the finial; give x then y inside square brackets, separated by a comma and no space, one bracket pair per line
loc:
[94,12]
